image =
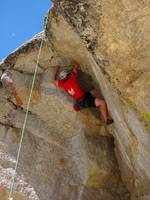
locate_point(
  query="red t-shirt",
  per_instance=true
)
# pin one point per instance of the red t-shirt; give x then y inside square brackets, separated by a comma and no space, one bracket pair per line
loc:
[71,86]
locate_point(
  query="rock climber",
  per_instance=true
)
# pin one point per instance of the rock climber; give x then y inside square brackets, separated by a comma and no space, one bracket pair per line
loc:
[9,86]
[67,80]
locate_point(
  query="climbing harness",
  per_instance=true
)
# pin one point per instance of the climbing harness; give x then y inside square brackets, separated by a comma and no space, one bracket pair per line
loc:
[26,116]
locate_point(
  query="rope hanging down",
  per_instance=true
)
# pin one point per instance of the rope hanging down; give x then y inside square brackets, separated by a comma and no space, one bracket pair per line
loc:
[26,116]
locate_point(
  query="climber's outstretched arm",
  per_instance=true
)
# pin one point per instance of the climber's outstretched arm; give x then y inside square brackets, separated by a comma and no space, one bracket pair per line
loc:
[75,67]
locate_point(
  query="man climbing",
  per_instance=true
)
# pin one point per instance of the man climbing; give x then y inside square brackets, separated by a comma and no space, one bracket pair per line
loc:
[67,80]
[9,86]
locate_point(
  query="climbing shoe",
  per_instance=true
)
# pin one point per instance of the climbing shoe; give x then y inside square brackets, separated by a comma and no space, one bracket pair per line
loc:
[109,121]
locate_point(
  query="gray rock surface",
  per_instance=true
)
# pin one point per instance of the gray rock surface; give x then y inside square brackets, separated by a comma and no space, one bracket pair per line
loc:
[68,155]
[119,65]
[63,155]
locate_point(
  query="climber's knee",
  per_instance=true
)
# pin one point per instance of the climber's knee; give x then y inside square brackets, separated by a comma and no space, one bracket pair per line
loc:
[100,102]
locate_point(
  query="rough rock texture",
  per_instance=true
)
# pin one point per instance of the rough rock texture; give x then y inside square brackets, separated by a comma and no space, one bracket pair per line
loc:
[119,60]
[68,155]
[63,155]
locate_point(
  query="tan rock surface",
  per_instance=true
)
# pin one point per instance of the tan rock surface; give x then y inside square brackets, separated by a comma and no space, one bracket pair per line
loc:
[68,155]
[61,149]
[121,52]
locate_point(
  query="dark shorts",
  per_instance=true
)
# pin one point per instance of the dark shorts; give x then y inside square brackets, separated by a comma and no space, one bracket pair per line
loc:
[87,101]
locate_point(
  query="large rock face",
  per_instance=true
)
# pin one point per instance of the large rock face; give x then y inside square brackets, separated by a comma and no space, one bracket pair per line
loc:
[67,155]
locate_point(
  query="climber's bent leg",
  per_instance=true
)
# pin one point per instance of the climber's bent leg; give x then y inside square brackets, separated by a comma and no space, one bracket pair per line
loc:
[91,100]
[101,104]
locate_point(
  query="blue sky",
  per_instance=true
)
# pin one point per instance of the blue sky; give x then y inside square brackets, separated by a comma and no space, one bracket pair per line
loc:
[20,20]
